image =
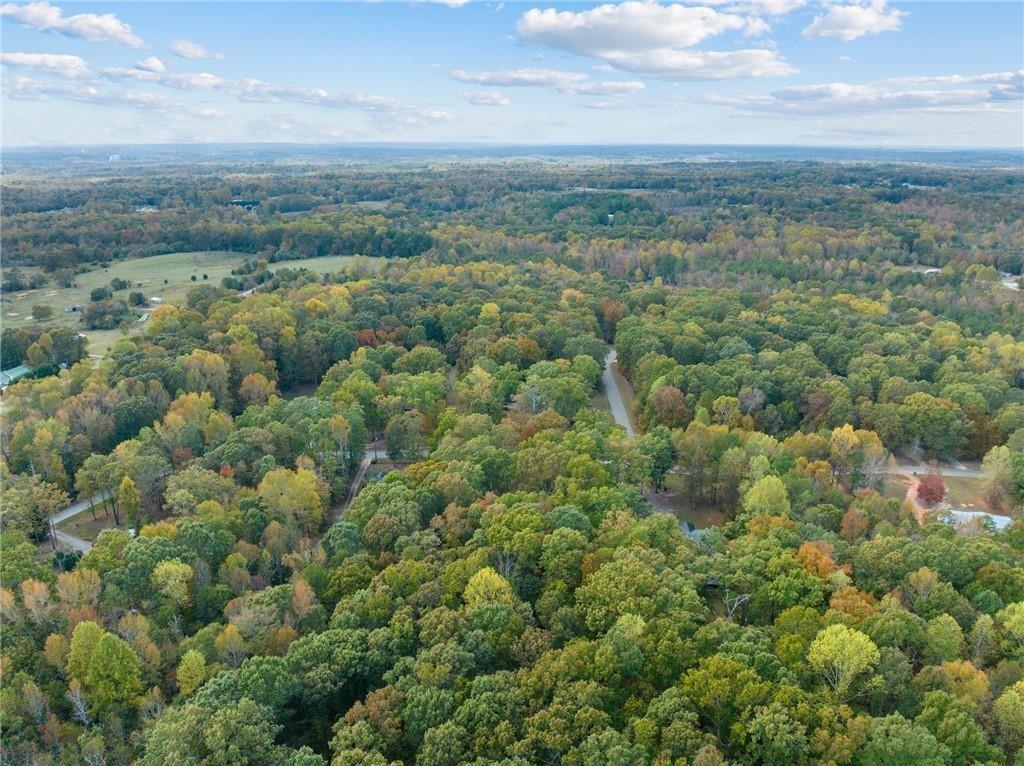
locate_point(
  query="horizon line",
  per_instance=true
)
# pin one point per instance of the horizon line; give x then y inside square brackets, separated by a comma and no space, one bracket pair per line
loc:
[513,144]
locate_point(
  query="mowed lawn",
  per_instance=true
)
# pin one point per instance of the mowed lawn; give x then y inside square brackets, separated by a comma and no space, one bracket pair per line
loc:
[327,264]
[961,492]
[968,492]
[164,276]
[167,277]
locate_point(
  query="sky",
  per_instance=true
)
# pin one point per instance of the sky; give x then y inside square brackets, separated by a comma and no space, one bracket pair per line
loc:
[792,72]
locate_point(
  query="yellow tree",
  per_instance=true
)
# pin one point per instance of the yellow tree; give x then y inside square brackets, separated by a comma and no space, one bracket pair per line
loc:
[293,496]
[172,579]
[192,672]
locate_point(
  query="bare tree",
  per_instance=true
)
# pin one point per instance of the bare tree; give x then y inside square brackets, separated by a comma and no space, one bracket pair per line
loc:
[734,602]
[79,704]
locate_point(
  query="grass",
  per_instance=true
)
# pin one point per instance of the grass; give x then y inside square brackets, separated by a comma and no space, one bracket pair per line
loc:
[896,486]
[168,277]
[966,491]
[83,525]
[961,491]
[164,276]
[323,265]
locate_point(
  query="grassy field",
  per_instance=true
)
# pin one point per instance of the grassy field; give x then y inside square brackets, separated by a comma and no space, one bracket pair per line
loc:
[324,265]
[167,277]
[961,491]
[967,492]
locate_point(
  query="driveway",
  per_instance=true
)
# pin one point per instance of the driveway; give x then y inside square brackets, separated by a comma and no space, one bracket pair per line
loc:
[614,394]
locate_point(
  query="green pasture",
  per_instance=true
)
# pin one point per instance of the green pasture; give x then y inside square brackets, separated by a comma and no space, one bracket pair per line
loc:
[166,277]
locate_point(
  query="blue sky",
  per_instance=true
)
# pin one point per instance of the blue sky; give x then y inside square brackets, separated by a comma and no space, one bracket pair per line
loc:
[850,72]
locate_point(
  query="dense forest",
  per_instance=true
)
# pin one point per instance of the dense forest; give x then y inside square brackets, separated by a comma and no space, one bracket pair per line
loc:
[384,516]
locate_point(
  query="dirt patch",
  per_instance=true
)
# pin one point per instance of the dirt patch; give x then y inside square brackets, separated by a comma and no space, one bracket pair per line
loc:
[920,508]
[675,500]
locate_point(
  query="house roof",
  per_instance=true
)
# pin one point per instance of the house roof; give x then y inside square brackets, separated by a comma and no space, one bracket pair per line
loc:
[958,517]
[11,375]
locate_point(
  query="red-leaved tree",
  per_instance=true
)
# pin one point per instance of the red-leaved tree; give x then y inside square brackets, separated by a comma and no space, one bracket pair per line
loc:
[931,489]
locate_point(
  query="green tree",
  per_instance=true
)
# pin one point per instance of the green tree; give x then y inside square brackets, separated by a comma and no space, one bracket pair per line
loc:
[895,741]
[113,679]
[403,436]
[767,496]
[129,502]
[84,639]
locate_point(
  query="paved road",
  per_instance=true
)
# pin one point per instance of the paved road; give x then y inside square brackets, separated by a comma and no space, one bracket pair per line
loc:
[74,543]
[74,509]
[611,389]
[957,469]
[372,453]
[78,544]
[70,541]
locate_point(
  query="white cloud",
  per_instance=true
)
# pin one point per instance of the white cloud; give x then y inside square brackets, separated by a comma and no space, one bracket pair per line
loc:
[259,91]
[614,103]
[649,38]
[848,22]
[71,67]
[26,89]
[766,7]
[383,114]
[839,98]
[87,26]
[572,83]
[1006,78]
[674,64]
[185,81]
[629,26]
[384,111]
[485,98]
[151,64]
[250,90]
[187,49]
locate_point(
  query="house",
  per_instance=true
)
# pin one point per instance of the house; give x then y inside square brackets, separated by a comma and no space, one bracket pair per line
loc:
[961,517]
[9,376]
[691,530]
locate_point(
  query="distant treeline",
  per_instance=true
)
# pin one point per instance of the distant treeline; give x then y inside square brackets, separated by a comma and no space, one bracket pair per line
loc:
[799,210]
